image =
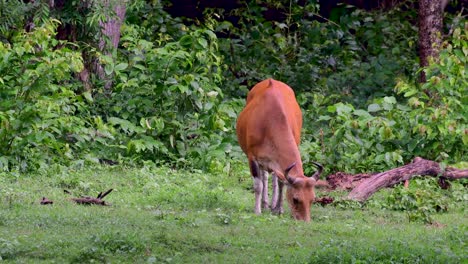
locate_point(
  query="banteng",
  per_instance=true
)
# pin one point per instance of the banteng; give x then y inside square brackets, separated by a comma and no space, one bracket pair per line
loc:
[268,130]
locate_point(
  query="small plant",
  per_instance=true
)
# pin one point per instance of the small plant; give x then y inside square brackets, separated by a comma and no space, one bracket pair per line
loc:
[420,201]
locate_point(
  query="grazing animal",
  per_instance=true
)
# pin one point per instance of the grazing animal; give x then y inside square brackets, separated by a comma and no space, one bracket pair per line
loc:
[269,130]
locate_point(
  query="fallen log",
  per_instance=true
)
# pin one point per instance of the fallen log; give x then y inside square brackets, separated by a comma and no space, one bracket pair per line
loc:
[346,181]
[368,186]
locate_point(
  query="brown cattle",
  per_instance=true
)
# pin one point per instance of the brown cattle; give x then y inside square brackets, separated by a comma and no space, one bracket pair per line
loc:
[269,130]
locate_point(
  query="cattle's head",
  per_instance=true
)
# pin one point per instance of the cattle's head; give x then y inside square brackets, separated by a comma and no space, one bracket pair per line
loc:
[300,193]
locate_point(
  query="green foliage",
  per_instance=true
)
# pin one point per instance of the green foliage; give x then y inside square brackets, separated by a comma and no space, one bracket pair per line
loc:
[431,122]
[39,110]
[166,104]
[178,86]
[425,198]
[350,60]
[154,24]
[16,15]
[166,101]
[12,15]
[439,112]
[361,139]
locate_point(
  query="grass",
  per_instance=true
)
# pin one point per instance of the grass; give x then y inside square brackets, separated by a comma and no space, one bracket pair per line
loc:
[159,215]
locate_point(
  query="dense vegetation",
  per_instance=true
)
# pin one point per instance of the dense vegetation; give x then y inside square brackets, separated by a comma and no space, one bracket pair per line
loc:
[178,85]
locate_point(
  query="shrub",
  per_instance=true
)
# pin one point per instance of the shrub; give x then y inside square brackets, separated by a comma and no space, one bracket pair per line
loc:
[39,110]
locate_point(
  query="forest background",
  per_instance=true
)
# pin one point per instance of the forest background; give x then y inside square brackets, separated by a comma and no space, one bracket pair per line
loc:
[163,81]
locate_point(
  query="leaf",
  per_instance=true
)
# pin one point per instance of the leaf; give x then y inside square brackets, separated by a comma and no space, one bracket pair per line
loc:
[171,140]
[390,99]
[373,108]
[182,88]
[465,138]
[203,43]
[126,125]
[212,35]
[109,68]
[212,94]
[324,118]
[88,97]
[282,25]
[387,106]
[186,41]
[171,80]
[343,108]
[410,93]
[195,85]
[360,112]
[121,66]
[145,123]
[139,66]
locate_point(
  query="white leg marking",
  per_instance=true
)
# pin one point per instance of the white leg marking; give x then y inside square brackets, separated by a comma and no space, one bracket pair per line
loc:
[265,190]
[274,185]
[258,189]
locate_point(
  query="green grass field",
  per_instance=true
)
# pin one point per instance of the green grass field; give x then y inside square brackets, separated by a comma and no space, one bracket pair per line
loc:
[159,215]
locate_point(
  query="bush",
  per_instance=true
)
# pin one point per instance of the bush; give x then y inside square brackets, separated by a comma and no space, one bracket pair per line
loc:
[166,104]
[430,122]
[349,60]
[40,108]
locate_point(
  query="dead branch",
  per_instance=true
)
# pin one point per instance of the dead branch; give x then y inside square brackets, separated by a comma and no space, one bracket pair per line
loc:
[91,200]
[46,201]
[105,194]
[419,166]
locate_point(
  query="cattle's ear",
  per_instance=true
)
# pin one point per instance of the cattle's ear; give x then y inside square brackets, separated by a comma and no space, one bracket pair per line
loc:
[312,181]
[280,175]
[285,177]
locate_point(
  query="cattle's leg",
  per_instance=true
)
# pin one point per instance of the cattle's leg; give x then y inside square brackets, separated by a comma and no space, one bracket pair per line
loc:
[257,175]
[265,190]
[277,199]
[274,194]
[258,189]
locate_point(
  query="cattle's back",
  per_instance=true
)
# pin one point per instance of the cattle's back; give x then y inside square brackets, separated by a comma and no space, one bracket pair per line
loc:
[271,113]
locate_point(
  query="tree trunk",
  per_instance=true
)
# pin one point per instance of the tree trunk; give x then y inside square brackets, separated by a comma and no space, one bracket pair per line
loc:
[430,28]
[389,178]
[109,40]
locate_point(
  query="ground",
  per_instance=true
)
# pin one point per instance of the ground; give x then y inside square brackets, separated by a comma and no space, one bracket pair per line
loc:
[161,215]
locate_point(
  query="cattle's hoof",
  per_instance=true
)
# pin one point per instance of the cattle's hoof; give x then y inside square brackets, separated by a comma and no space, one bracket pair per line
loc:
[277,210]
